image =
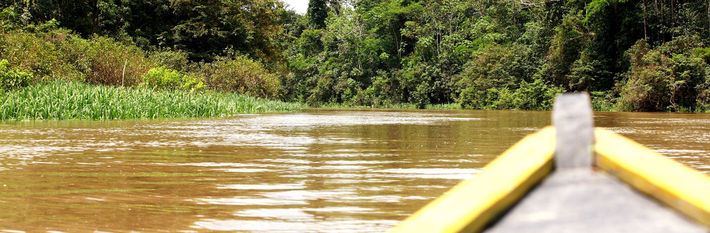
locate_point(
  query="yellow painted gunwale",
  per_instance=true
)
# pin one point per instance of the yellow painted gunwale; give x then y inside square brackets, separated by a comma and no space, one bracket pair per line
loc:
[672,183]
[471,204]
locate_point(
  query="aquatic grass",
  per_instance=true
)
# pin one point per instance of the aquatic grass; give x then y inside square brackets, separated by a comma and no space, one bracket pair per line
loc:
[59,100]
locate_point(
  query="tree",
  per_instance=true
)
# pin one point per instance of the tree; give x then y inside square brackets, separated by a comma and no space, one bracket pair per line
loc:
[669,77]
[206,28]
[317,13]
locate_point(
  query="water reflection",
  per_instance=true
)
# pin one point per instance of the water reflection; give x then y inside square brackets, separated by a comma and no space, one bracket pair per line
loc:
[317,170]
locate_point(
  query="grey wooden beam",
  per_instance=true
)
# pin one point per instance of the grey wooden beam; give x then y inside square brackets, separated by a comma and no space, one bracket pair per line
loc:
[575,198]
[583,201]
[572,118]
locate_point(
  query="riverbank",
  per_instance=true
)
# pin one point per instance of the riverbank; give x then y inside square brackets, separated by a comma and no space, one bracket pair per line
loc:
[60,100]
[452,106]
[601,102]
[63,100]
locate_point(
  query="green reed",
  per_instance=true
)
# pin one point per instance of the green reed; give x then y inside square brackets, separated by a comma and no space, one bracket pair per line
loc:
[72,100]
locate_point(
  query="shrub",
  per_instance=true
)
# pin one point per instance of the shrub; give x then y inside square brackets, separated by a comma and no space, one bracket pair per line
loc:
[241,75]
[162,78]
[171,59]
[496,67]
[12,78]
[103,60]
[384,91]
[529,96]
[665,78]
[535,96]
[603,101]
[425,85]
[37,54]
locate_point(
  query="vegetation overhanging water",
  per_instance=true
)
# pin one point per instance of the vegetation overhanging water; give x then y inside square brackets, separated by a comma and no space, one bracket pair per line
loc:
[631,55]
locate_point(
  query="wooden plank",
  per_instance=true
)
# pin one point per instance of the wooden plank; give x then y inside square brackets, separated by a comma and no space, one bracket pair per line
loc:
[584,201]
[674,184]
[572,118]
[472,204]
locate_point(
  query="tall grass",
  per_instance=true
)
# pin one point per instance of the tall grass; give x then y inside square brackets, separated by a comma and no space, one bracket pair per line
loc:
[73,100]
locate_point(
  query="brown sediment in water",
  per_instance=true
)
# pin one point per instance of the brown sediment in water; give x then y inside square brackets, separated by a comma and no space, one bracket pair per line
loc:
[317,170]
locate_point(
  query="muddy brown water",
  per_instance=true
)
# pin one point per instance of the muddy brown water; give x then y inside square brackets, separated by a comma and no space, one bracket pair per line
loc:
[310,171]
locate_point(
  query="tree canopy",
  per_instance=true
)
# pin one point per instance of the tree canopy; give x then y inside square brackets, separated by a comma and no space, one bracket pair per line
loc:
[203,28]
[638,55]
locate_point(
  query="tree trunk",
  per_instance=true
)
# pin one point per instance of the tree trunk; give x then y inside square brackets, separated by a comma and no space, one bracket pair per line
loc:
[645,34]
[672,19]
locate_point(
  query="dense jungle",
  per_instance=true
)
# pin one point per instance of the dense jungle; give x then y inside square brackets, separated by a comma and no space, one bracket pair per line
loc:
[631,55]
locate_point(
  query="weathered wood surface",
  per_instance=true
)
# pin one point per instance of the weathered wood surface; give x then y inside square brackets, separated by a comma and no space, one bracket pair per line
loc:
[580,201]
[574,127]
[575,198]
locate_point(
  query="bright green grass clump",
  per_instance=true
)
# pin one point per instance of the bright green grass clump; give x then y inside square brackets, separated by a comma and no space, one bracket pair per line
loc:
[71,100]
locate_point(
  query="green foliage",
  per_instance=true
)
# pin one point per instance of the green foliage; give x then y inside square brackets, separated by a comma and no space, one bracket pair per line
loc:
[206,28]
[13,78]
[535,96]
[479,53]
[73,100]
[9,18]
[597,6]
[531,96]
[162,78]
[241,75]
[203,28]
[496,68]
[106,61]
[386,106]
[571,39]
[310,44]
[171,59]
[57,54]
[603,101]
[384,91]
[317,13]
[102,60]
[586,72]
[38,53]
[667,78]
[426,85]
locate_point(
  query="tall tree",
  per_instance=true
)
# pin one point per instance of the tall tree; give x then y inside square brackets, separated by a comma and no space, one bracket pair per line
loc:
[317,13]
[208,27]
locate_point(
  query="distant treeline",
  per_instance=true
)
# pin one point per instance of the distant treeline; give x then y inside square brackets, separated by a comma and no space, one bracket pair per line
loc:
[639,55]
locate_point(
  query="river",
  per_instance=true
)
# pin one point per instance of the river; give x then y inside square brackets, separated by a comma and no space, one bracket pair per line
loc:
[311,171]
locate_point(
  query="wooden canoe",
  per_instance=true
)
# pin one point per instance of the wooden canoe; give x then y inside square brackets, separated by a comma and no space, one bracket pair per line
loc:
[672,196]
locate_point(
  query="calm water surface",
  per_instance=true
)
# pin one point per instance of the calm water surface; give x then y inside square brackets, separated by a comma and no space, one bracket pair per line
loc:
[312,171]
